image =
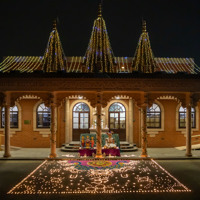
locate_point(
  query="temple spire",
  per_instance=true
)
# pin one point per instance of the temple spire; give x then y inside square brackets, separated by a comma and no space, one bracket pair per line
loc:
[99,56]
[54,58]
[54,24]
[144,59]
[144,26]
[100,10]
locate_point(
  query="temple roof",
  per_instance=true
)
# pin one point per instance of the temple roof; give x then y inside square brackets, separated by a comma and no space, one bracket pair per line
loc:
[76,64]
[99,56]
[144,59]
[54,58]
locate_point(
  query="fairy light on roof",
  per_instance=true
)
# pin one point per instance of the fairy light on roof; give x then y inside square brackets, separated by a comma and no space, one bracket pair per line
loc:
[144,59]
[99,56]
[54,57]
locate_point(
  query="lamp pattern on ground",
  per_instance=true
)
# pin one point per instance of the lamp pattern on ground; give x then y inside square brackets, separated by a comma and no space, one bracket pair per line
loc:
[105,176]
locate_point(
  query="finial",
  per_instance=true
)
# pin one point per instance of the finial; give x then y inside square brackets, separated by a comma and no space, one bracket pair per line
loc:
[100,10]
[144,28]
[54,24]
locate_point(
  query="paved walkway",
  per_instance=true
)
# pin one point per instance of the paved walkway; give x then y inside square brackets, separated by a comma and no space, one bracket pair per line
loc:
[156,153]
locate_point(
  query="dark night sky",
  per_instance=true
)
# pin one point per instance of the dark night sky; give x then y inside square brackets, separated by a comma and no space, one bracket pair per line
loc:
[173,26]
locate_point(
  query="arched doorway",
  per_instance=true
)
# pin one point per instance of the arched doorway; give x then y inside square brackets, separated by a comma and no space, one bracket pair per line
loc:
[117,120]
[81,119]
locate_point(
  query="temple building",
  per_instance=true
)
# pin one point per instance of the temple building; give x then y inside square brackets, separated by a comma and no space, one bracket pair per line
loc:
[49,101]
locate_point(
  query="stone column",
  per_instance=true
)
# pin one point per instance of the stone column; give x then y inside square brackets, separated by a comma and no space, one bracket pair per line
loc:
[144,132]
[53,131]
[130,124]
[7,130]
[188,131]
[98,142]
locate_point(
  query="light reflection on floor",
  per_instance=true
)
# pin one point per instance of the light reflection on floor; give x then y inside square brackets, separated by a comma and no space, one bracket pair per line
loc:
[98,176]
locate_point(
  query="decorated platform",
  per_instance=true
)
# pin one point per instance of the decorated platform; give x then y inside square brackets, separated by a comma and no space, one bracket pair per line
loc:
[106,152]
[110,144]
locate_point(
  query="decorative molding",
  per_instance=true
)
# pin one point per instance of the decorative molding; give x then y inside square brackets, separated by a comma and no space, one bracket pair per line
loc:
[168,97]
[121,97]
[29,97]
[76,97]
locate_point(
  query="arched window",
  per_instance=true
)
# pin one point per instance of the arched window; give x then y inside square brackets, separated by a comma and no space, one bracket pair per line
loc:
[43,116]
[154,116]
[117,120]
[13,117]
[81,116]
[182,117]
[81,120]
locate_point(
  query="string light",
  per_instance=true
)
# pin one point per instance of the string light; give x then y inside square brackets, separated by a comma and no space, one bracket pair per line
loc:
[31,63]
[54,57]
[21,63]
[99,56]
[143,59]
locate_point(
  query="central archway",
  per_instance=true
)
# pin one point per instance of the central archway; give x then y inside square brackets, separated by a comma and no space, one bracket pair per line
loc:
[117,120]
[81,120]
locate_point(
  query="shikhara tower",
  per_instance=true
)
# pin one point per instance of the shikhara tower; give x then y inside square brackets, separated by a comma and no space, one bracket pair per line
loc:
[54,57]
[99,56]
[144,59]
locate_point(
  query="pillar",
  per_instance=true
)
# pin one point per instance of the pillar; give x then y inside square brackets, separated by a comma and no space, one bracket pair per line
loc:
[130,124]
[7,130]
[98,141]
[53,131]
[68,137]
[188,131]
[144,132]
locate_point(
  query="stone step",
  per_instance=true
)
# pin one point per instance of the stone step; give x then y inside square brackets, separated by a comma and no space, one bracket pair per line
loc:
[74,147]
[76,150]
[69,150]
[124,143]
[68,146]
[129,150]
[122,146]
[127,147]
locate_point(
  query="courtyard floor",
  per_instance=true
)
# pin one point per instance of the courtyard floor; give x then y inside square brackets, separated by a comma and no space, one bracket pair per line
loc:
[118,179]
[168,175]
[43,153]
